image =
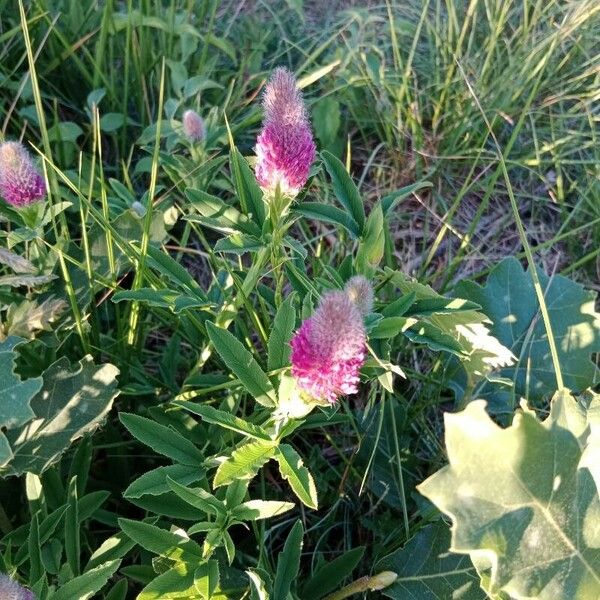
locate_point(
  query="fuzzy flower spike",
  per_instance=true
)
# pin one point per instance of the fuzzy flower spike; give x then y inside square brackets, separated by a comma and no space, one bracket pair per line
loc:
[11,590]
[20,181]
[193,126]
[285,149]
[330,347]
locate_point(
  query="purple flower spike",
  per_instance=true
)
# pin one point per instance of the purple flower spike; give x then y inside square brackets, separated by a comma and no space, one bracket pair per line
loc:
[329,349]
[285,149]
[11,590]
[193,126]
[20,182]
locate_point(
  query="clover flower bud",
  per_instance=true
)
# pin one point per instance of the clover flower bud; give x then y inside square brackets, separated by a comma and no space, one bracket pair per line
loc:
[193,126]
[360,292]
[20,181]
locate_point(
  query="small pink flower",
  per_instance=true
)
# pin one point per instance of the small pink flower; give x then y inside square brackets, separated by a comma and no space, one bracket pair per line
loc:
[193,126]
[285,149]
[20,181]
[329,348]
[11,590]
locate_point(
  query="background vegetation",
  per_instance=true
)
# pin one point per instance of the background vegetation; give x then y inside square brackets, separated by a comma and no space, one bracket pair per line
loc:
[493,102]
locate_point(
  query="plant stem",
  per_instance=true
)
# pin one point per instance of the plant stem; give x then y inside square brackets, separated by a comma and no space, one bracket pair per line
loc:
[365,584]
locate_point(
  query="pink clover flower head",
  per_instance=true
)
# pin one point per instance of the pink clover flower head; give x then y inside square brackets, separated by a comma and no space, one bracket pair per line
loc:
[285,149]
[329,349]
[11,590]
[193,126]
[360,292]
[20,181]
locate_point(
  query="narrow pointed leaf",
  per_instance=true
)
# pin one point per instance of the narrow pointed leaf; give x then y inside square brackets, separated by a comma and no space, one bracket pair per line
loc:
[345,189]
[242,364]
[297,475]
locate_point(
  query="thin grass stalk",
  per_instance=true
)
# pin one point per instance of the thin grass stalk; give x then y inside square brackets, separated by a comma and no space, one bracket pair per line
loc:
[53,191]
[141,261]
[532,267]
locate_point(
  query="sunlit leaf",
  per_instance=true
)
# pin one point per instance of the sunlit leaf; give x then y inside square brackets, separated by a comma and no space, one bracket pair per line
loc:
[523,501]
[73,401]
[508,299]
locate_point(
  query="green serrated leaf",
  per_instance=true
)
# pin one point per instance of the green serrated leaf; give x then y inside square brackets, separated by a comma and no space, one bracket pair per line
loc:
[254,510]
[25,318]
[238,244]
[345,189]
[260,584]
[112,548]
[244,462]
[214,213]
[28,280]
[297,475]
[288,562]
[206,579]
[118,591]
[247,188]
[390,201]
[162,439]
[160,541]
[198,498]
[440,306]
[224,419]
[16,262]
[372,245]
[87,584]
[529,521]
[389,327]
[326,118]
[279,341]
[175,584]
[329,214]
[169,268]
[243,365]
[160,298]
[154,482]
[463,333]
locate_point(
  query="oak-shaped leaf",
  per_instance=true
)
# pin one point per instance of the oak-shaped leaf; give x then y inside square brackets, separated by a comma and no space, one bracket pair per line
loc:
[523,501]
[508,298]
[73,401]
[15,395]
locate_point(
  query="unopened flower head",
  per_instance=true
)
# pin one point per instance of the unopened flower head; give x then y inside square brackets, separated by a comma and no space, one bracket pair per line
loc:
[329,349]
[20,181]
[193,126]
[360,292]
[285,149]
[11,590]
